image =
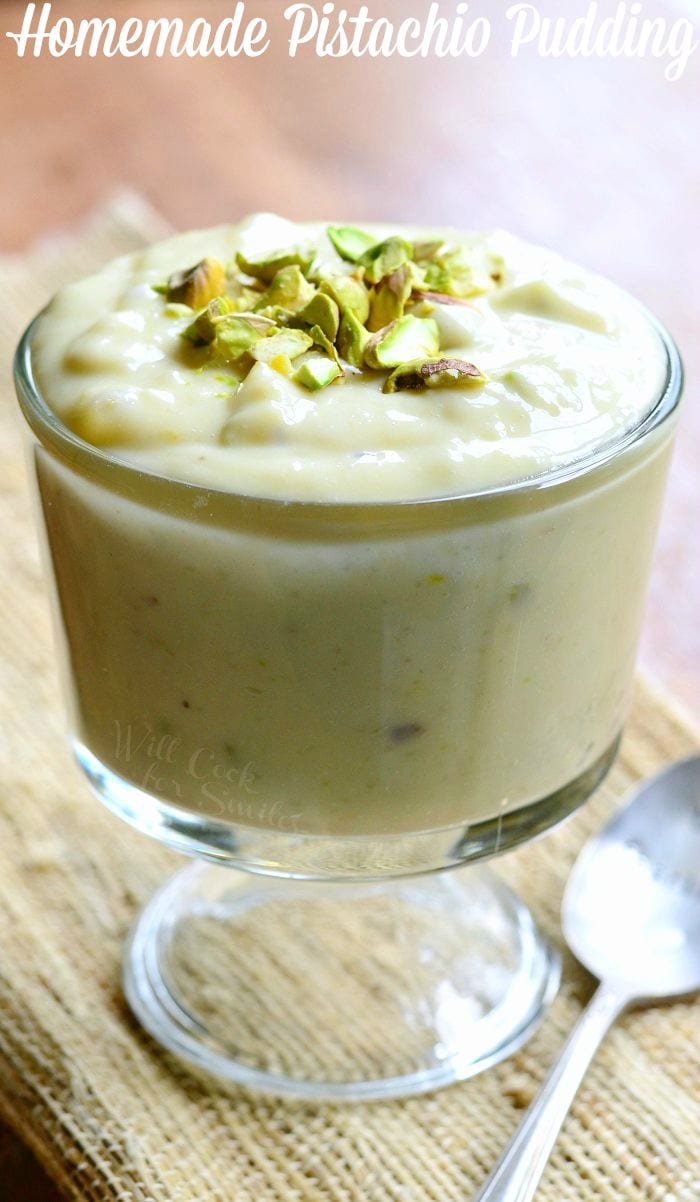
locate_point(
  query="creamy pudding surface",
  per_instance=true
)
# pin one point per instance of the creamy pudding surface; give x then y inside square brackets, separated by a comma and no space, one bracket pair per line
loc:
[302,361]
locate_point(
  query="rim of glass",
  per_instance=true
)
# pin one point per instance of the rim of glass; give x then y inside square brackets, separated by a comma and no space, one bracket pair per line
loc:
[51,430]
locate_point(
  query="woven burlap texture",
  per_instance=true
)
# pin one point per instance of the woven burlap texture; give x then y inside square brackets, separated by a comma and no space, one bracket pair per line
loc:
[109,1115]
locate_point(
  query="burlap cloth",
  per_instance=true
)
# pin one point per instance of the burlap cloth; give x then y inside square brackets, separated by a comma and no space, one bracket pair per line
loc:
[112,1118]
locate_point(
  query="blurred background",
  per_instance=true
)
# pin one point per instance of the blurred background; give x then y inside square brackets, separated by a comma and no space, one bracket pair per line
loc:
[597,158]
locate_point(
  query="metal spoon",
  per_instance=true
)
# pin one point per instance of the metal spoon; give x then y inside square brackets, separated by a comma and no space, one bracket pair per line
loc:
[631,915]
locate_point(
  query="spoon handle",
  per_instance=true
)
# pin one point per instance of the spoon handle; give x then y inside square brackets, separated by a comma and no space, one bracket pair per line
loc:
[517,1174]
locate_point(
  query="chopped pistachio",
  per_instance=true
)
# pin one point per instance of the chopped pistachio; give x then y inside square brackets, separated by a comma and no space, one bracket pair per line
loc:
[453,273]
[244,299]
[197,285]
[266,269]
[349,294]
[427,250]
[234,336]
[283,365]
[175,310]
[259,321]
[202,330]
[404,340]
[385,257]
[288,289]
[433,373]
[352,339]
[437,278]
[278,307]
[439,298]
[390,297]
[289,343]
[421,308]
[321,311]
[277,314]
[350,242]
[316,372]
[319,339]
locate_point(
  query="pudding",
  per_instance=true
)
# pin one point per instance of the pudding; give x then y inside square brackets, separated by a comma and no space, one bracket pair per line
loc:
[353,534]
[565,363]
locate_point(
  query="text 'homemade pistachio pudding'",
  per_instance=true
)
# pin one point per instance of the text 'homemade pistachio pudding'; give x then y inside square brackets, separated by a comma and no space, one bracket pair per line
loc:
[401,585]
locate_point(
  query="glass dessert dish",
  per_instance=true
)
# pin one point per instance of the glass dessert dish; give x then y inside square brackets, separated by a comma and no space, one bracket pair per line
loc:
[342,699]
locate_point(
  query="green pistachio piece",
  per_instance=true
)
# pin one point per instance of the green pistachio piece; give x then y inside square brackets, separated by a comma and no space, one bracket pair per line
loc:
[276,314]
[438,298]
[349,294]
[426,250]
[433,373]
[352,339]
[319,339]
[420,307]
[289,289]
[235,335]
[289,343]
[265,325]
[350,242]
[385,257]
[454,273]
[321,311]
[436,278]
[244,299]
[202,331]
[197,285]
[283,365]
[316,372]
[390,297]
[267,268]
[402,341]
[174,310]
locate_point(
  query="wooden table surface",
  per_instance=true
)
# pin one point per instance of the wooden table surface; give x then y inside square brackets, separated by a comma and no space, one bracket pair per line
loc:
[598,158]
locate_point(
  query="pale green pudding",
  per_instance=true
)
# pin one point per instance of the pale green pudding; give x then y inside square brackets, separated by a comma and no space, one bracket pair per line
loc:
[374,654]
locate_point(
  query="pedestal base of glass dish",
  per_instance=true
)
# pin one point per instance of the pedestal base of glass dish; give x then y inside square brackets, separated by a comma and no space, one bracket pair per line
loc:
[338,991]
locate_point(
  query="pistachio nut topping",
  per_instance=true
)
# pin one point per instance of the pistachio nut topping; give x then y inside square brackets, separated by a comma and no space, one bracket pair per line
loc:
[282,364]
[287,343]
[437,298]
[349,294]
[267,268]
[433,373]
[277,315]
[350,242]
[196,286]
[243,298]
[352,339]
[389,299]
[234,336]
[427,250]
[402,341]
[373,317]
[322,311]
[202,330]
[380,260]
[289,289]
[320,340]
[317,372]
[452,273]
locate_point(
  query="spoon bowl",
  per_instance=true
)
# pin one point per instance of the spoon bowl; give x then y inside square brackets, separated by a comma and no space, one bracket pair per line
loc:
[631,910]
